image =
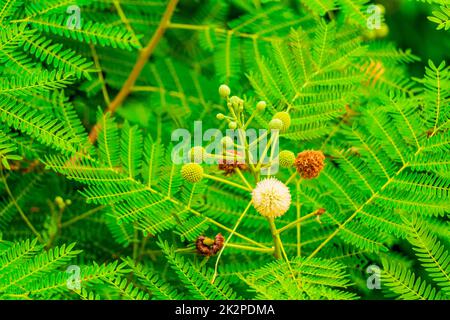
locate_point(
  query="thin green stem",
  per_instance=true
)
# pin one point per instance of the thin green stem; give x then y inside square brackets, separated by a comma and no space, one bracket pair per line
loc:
[19,209]
[247,248]
[135,241]
[264,153]
[239,172]
[218,224]
[250,119]
[271,156]
[233,184]
[81,216]
[296,222]
[216,266]
[224,157]
[259,139]
[297,207]
[292,177]
[276,238]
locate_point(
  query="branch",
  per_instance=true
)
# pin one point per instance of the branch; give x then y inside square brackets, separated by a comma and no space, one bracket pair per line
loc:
[140,63]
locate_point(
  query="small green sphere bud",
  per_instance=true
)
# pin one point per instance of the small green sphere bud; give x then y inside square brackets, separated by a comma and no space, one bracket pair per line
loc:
[383,31]
[260,106]
[192,172]
[286,158]
[68,202]
[220,116]
[275,124]
[197,154]
[285,118]
[381,8]
[232,125]
[227,141]
[224,91]
[59,200]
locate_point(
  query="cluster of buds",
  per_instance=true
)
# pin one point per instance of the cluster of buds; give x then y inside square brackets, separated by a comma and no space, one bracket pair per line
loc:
[61,203]
[236,106]
[271,198]
[209,247]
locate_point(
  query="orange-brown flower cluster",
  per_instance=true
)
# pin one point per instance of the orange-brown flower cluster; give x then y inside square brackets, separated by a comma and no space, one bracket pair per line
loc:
[309,163]
[209,247]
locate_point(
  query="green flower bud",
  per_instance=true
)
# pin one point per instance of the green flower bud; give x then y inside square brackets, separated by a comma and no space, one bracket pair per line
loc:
[220,116]
[232,125]
[275,124]
[382,8]
[224,91]
[260,106]
[383,31]
[285,118]
[59,200]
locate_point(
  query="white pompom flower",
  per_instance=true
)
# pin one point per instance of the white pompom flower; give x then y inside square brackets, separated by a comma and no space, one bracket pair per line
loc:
[271,198]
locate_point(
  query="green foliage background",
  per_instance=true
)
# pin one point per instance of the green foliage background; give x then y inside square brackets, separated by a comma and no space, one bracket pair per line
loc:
[378,107]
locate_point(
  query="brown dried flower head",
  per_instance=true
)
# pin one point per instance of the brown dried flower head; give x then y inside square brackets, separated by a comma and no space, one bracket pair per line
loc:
[309,163]
[209,247]
[229,166]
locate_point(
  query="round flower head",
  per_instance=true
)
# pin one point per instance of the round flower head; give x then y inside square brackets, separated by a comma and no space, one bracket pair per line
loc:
[286,158]
[285,118]
[192,172]
[309,163]
[197,154]
[271,198]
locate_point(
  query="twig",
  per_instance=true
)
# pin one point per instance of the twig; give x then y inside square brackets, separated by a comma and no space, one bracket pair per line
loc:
[140,63]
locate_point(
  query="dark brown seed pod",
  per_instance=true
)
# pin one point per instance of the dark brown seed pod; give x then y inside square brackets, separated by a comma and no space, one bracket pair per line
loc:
[309,163]
[207,246]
